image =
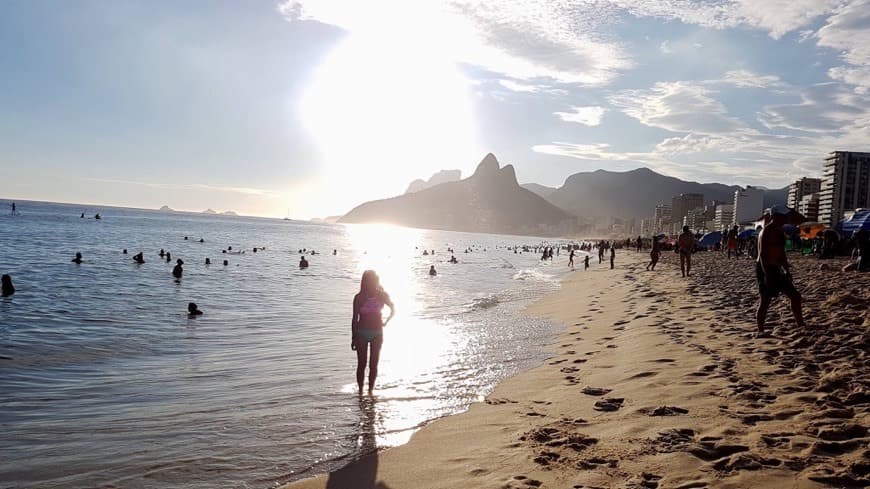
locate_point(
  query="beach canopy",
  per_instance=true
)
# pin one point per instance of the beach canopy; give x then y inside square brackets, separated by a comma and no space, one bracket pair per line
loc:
[710,239]
[746,234]
[859,221]
[811,229]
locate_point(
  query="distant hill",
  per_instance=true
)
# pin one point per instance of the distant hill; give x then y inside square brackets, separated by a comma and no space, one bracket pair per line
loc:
[442,176]
[489,201]
[229,213]
[539,189]
[209,211]
[166,208]
[634,194]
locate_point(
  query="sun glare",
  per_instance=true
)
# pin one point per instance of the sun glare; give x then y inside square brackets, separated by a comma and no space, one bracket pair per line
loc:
[385,109]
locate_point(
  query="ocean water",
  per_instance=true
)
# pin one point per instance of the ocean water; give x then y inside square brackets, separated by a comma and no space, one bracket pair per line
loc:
[106,382]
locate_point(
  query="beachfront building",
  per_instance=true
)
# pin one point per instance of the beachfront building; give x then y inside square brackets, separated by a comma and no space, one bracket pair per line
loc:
[748,205]
[662,219]
[845,185]
[802,187]
[723,217]
[682,204]
[809,206]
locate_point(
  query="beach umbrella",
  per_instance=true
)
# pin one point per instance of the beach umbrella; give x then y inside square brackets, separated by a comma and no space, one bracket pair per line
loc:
[747,233]
[859,221]
[710,239]
[792,216]
[811,229]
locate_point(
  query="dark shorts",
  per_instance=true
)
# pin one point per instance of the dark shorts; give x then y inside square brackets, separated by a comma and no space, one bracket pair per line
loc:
[778,281]
[369,335]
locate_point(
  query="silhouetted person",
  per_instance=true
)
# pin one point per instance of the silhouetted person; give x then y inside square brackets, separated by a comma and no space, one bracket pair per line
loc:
[193,310]
[772,270]
[334,252]
[124,252]
[185,238]
[162,253]
[571,259]
[612,256]
[177,270]
[686,246]
[303,263]
[168,257]
[208,261]
[13,208]
[586,263]
[654,254]
[255,249]
[731,242]
[453,259]
[201,240]
[367,326]
[97,216]
[82,216]
[432,271]
[226,262]
[78,259]
[6,287]
[138,258]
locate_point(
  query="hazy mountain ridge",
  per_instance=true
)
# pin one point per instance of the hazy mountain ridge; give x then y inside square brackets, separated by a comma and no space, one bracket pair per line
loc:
[634,194]
[438,178]
[542,190]
[489,201]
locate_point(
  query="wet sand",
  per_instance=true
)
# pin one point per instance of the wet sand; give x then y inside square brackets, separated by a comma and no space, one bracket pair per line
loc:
[657,382]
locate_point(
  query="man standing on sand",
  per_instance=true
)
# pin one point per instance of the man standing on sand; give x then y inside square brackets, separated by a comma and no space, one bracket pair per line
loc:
[571,259]
[732,241]
[686,246]
[772,268]
[612,255]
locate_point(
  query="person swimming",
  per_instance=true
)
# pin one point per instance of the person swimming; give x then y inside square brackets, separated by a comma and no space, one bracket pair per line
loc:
[138,258]
[226,262]
[453,259]
[6,287]
[193,310]
[177,271]
[97,216]
[201,240]
[367,326]
[162,253]
[124,252]
[432,271]
[78,259]
[303,263]
[168,257]
[208,261]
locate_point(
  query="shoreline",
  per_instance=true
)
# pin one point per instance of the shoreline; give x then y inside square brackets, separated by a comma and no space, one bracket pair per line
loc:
[654,382]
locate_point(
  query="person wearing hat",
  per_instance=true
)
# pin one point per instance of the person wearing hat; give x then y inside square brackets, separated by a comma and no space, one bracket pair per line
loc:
[772,268]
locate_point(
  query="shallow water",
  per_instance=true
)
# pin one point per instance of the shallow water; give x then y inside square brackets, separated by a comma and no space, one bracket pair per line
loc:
[105,380]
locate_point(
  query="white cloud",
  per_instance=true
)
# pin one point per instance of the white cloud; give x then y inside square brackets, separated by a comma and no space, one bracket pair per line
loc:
[665,47]
[519,87]
[749,79]
[521,39]
[590,116]
[849,32]
[777,17]
[830,108]
[679,107]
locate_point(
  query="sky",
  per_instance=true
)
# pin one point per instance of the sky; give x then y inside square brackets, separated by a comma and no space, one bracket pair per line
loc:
[306,108]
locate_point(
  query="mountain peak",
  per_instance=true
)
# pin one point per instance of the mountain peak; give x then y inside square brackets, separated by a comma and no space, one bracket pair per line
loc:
[509,175]
[488,166]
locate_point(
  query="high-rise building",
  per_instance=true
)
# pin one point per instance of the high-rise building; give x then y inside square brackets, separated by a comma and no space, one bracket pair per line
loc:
[809,206]
[799,188]
[724,216]
[681,204]
[748,204]
[845,185]
[662,218]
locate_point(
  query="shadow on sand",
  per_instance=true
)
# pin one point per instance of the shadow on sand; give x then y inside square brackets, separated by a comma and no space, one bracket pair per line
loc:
[363,473]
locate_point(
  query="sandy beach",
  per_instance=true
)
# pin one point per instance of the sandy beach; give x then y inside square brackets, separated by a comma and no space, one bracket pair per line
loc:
[657,382]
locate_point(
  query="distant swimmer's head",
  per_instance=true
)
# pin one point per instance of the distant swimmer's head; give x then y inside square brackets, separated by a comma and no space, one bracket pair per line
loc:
[230,248]
[208,261]
[226,262]
[78,255]
[370,282]
[124,252]
[193,310]
[185,238]
[179,261]
[6,287]
[223,251]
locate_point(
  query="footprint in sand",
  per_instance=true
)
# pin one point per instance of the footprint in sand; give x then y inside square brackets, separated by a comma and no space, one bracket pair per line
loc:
[596,391]
[608,404]
[522,482]
[663,411]
[643,375]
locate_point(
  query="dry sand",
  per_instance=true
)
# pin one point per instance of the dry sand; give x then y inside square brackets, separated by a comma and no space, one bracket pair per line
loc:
[658,383]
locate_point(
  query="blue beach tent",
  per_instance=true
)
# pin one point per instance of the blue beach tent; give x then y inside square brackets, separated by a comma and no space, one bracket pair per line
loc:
[710,239]
[859,221]
[747,233]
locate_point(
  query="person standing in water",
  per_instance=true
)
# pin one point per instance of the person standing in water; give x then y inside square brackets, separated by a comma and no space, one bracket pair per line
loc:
[571,259]
[367,326]
[6,287]
[612,255]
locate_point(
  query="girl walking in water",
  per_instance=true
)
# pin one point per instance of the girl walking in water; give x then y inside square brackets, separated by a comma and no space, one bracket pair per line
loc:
[367,326]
